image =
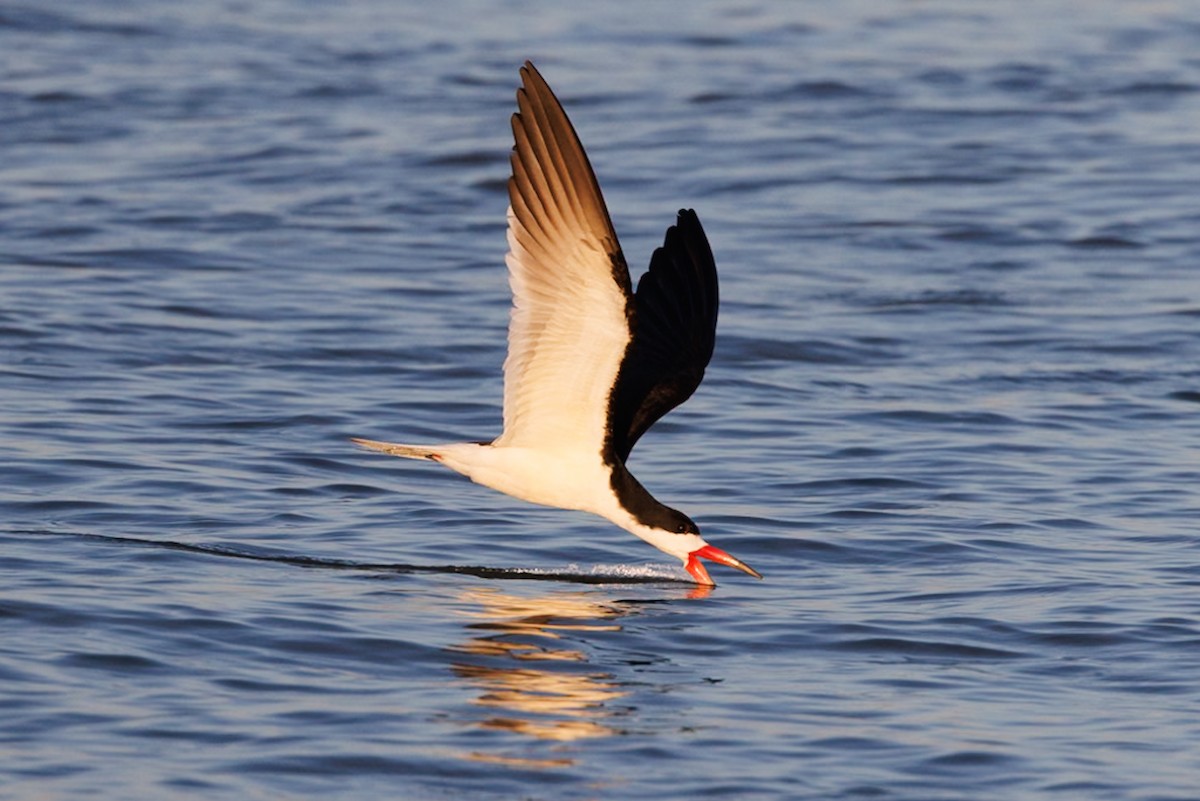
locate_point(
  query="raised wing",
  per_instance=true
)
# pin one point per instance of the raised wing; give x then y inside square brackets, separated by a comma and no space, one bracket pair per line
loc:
[570,284]
[675,326]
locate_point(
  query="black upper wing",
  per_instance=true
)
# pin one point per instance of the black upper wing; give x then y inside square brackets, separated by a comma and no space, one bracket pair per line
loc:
[674,328]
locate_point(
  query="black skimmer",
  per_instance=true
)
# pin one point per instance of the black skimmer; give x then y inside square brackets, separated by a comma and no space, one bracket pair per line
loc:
[591,364]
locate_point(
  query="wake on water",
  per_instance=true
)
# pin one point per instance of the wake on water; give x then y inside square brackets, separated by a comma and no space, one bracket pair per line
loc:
[597,574]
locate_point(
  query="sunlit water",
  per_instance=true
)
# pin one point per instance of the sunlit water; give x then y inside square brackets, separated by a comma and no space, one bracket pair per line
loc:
[952,414]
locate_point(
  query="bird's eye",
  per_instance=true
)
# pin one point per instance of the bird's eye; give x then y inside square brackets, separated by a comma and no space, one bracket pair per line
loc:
[681,528]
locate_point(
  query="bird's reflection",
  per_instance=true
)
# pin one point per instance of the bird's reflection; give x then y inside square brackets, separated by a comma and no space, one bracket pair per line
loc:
[529,675]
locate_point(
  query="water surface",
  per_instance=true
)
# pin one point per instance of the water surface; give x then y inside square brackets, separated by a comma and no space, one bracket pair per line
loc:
[952,415]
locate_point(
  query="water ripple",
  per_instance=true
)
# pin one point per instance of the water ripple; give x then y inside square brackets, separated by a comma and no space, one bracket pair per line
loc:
[950,415]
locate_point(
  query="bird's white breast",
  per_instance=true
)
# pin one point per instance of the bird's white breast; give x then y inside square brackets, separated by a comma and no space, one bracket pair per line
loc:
[567,479]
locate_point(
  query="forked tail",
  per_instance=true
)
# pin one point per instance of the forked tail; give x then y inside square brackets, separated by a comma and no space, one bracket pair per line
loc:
[407,451]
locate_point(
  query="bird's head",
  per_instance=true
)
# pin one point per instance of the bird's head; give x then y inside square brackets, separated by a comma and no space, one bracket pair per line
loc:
[676,534]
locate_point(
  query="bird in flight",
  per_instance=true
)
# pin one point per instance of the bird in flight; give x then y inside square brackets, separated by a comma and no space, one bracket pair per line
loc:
[591,364]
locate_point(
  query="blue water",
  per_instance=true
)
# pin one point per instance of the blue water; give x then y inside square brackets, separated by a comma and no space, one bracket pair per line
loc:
[953,415]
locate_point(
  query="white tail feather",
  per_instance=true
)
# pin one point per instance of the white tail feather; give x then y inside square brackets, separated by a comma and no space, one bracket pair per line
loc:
[407,451]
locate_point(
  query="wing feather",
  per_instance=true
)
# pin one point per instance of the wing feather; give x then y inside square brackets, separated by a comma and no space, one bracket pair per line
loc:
[675,327]
[571,289]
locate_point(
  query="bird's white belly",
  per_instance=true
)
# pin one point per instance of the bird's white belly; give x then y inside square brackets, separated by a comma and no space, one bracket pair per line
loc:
[567,480]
